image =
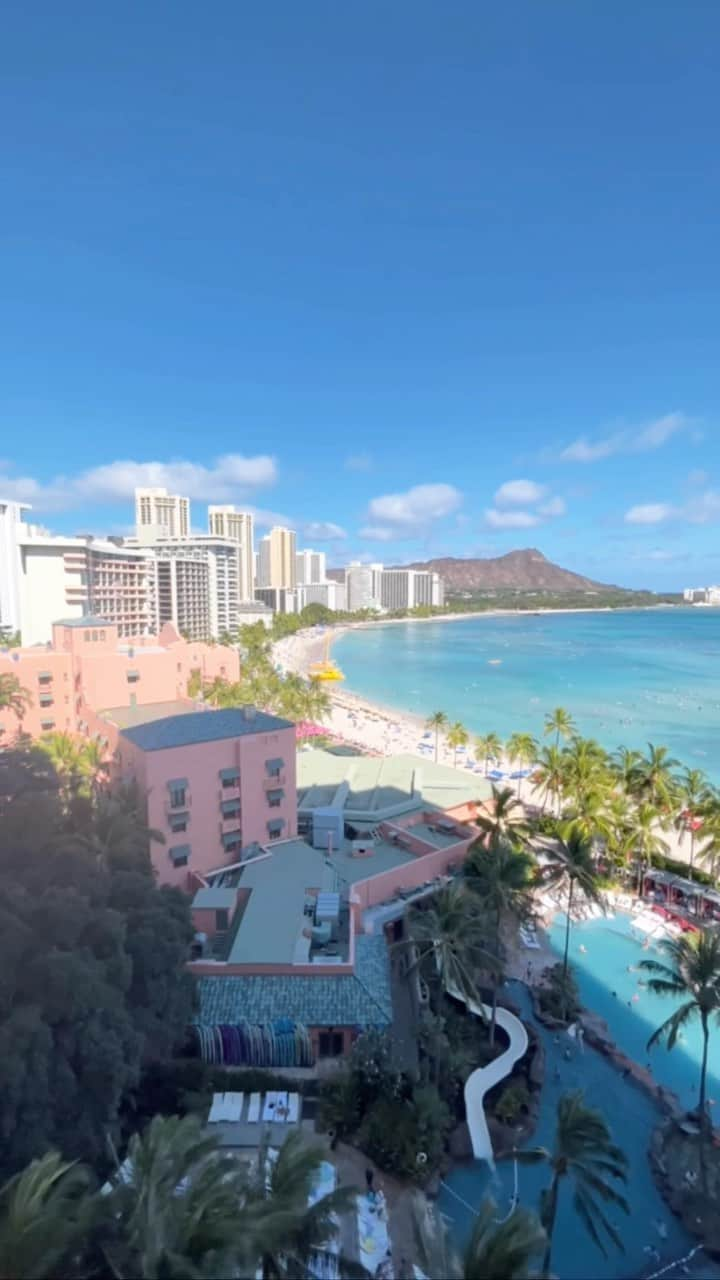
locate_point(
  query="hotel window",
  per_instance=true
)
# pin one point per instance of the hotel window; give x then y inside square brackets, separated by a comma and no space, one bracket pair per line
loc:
[45,677]
[102,635]
[274,828]
[87,635]
[179,855]
[133,676]
[230,808]
[231,840]
[94,635]
[222,920]
[230,777]
[273,768]
[178,822]
[177,788]
[47,724]
[330,1044]
[275,798]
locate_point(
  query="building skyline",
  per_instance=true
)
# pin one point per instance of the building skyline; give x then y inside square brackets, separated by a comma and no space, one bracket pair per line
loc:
[277,559]
[159,514]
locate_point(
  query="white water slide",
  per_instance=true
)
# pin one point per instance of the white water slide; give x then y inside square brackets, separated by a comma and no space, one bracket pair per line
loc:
[483,1078]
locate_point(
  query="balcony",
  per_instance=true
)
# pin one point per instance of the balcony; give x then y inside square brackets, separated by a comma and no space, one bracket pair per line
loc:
[272,784]
[171,807]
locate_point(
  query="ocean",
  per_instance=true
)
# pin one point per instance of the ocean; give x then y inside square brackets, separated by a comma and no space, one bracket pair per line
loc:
[628,677]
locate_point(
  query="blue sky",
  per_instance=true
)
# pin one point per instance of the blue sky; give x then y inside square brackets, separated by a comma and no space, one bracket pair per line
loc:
[419,278]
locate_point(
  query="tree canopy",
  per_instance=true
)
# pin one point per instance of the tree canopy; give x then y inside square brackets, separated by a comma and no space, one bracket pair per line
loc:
[92,960]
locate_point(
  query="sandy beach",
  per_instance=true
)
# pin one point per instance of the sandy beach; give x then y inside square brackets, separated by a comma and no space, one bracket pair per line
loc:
[386,731]
[367,724]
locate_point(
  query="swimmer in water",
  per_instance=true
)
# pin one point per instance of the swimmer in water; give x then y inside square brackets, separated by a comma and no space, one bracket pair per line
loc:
[635,997]
[583,949]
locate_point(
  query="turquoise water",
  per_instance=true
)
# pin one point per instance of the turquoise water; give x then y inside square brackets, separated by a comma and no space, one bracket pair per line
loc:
[628,677]
[601,969]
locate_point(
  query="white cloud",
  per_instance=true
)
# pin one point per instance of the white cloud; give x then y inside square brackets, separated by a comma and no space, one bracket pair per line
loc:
[511,519]
[519,493]
[704,509]
[229,477]
[553,507]
[417,506]
[650,513]
[408,514]
[523,504]
[630,440]
[378,533]
[324,531]
[358,462]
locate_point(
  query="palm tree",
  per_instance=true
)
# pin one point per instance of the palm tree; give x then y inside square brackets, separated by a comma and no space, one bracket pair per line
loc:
[561,723]
[487,748]
[448,930]
[501,876]
[587,770]
[195,683]
[216,692]
[551,774]
[711,834]
[625,765]
[458,736]
[692,972]
[584,1151]
[180,1208]
[503,817]
[94,763]
[696,796]
[571,864]
[523,749]
[64,752]
[437,721]
[495,1251]
[13,696]
[293,1229]
[655,779]
[45,1214]
[645,839]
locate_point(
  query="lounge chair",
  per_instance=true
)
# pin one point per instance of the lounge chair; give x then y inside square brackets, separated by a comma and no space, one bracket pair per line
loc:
[236,1105]
[293,1111]
[253,1114]
[216,1109]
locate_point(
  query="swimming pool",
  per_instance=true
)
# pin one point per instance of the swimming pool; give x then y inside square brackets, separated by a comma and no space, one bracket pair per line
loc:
[608,965]
[601,969]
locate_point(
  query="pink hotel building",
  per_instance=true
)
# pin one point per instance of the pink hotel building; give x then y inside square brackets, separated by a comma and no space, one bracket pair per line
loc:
[87,672]
[293,960]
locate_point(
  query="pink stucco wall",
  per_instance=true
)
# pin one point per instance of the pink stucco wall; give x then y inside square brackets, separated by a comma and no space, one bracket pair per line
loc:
[89,673]
[201,764]
[380,888]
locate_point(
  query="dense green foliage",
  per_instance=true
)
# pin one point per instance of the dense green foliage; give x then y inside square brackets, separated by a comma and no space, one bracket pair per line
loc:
[182,1209]
[261,684]
[92,955]
[498,1248]
[387,1115]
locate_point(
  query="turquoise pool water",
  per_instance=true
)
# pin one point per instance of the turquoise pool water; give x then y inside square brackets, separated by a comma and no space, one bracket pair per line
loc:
[611,945]
[601,969]
[628,677]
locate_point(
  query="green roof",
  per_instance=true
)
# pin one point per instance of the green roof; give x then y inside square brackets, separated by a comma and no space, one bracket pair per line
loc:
[362,999]
[369,788]
[89,620]
[202,726]
[273,919]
